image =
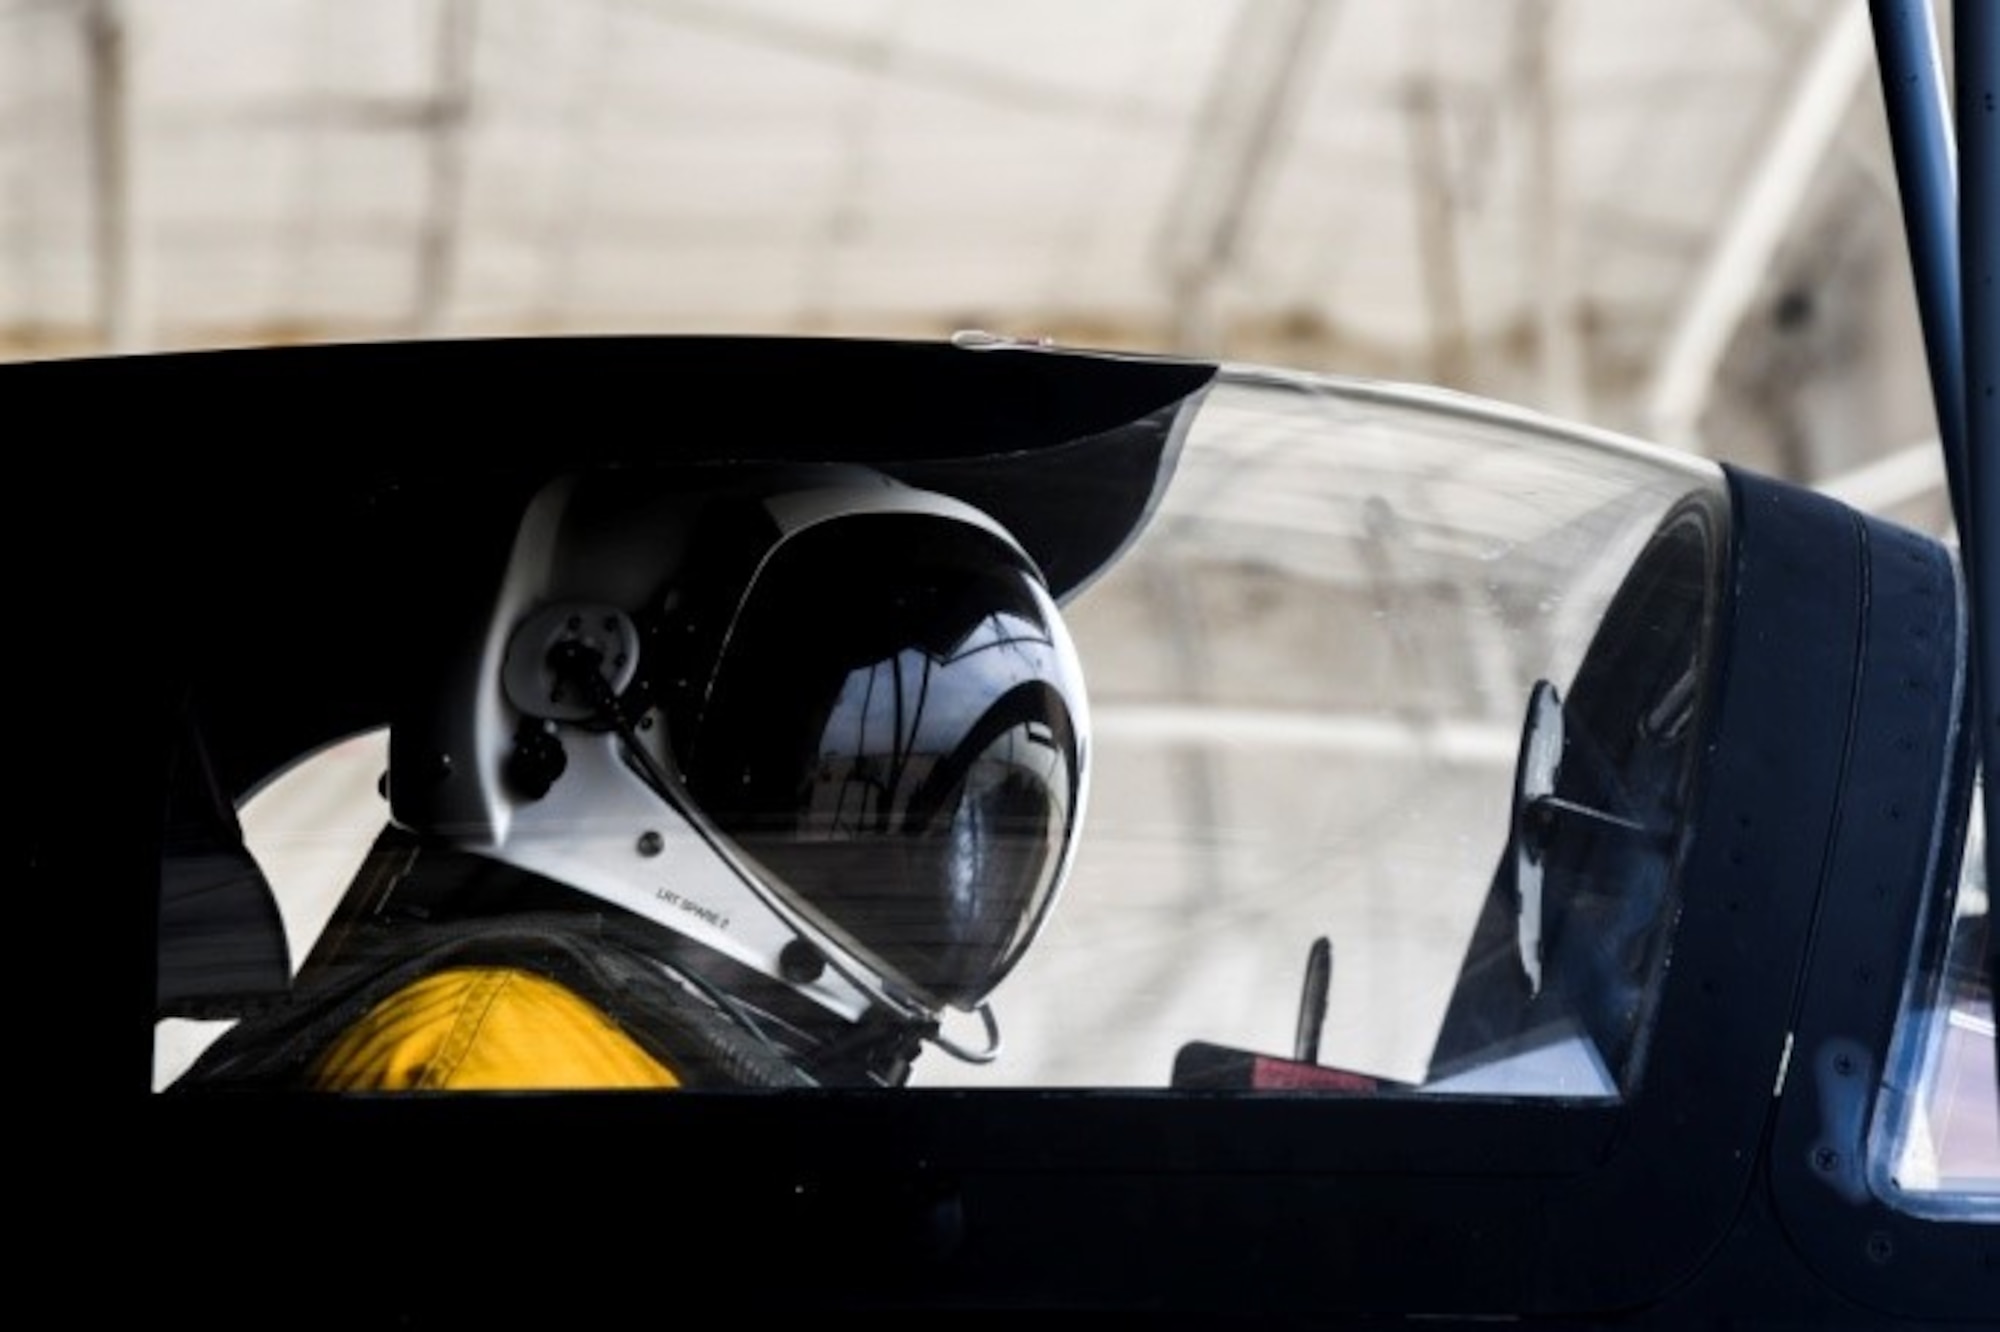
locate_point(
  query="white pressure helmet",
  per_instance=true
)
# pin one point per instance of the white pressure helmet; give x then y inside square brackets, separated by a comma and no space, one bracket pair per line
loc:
[826,724]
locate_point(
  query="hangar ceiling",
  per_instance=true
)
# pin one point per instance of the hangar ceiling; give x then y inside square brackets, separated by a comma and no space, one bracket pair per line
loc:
[1675,218]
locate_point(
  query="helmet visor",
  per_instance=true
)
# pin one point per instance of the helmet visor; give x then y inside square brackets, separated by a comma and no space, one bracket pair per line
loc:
[892,730]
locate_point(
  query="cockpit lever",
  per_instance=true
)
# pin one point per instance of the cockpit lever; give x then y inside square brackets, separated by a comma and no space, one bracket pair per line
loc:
[1312,1003]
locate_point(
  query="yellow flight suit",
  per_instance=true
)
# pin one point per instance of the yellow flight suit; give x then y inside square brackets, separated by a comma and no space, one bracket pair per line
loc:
[485,1029]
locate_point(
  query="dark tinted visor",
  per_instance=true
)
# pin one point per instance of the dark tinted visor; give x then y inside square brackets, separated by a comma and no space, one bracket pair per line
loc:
[891,730]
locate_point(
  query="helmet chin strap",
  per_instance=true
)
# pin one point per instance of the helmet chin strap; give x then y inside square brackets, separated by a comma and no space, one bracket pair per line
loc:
[987,1055]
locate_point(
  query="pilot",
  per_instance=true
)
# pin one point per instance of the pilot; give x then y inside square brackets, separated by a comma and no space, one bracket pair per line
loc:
[751,777]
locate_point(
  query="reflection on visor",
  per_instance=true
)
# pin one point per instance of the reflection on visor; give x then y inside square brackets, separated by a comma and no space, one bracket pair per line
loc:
[890,730]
